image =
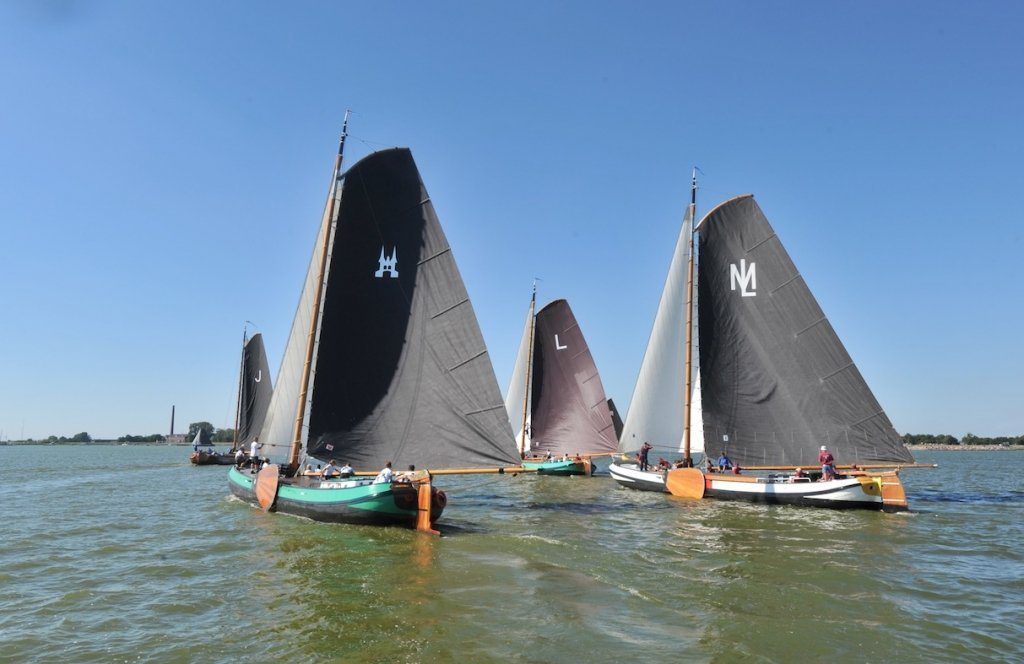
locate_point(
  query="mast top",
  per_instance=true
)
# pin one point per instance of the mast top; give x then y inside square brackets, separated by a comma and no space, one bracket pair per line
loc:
[341,142]
[693,187]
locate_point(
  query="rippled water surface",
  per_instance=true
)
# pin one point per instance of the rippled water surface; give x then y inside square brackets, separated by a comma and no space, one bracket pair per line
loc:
[131,554]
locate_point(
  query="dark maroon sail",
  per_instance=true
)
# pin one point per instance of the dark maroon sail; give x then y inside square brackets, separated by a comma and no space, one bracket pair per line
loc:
[570,411]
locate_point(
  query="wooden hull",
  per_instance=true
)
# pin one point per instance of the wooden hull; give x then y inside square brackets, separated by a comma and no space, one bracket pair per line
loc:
[212,458]
[629,475]
[874,491]
[354,501]
[558,467]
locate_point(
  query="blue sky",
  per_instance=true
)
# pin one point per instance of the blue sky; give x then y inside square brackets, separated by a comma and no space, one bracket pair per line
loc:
[164,166]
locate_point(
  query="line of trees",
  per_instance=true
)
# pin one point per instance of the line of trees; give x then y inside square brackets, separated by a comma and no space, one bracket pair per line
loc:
[81,437]
[216,435]
[152,438]
[968,439]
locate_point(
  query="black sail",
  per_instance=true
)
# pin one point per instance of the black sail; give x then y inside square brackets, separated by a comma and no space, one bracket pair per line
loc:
[256,390]
[570,411]
[616,419]
[401,370]
[776,381]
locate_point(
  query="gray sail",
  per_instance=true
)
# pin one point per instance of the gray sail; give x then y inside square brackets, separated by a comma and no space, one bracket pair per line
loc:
[776,381]
[279,424]
[256,390]
[202,439]
[518,394]
[569,408]
[656,411]
[401,372]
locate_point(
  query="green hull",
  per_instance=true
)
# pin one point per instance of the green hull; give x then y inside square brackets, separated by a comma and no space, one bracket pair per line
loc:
[357,501]
[557,467]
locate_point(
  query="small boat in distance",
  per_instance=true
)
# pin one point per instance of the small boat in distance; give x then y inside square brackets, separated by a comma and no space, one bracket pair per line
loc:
[385,362]
[254,391]
[556,398]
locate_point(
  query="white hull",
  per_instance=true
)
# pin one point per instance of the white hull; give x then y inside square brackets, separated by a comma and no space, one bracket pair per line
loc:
[874,491]
[630,475]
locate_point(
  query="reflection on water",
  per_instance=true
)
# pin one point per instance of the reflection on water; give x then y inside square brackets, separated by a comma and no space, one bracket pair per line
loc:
[138,554]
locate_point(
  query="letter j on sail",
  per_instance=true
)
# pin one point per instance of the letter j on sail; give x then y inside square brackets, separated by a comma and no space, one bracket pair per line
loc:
[746,278]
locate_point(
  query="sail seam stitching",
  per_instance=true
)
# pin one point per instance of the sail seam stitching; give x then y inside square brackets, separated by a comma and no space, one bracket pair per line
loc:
[430,258]
[869,417]
[841,369]
[444,311]
[759,243]
[466,361]
[785,283]
[817,322]
[484,410]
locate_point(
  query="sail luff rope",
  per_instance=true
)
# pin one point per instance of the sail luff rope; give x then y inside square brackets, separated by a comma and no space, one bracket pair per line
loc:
[238,401]
[689,327]
[293,457]
[529,366]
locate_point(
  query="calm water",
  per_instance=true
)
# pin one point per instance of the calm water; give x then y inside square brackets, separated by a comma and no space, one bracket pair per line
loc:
[137,556]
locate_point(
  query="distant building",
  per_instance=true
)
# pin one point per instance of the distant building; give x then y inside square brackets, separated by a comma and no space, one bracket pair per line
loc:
[177,439]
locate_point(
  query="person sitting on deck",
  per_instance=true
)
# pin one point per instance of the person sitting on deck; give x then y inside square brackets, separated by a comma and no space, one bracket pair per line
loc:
[710,466]
[239,457]
[549,456]
[662,463]
[329,470]
[406,477]
[385,475]
[735,469]
[797,475]
[724,462]
[347,470]
[827,461]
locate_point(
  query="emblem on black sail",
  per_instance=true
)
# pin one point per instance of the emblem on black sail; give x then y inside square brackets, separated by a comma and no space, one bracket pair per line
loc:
[387,263]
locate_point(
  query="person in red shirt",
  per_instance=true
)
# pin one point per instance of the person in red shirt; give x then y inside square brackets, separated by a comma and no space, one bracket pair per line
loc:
[828,467]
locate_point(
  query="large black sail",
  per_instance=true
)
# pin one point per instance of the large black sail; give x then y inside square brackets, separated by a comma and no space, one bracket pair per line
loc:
[570,411]
[776,381]
[401,371]
[256,390]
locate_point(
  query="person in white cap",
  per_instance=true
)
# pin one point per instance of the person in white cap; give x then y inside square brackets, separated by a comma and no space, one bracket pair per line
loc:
[827,461]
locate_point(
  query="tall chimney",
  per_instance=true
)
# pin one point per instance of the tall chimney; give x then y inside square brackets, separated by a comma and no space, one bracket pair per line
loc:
[172,420]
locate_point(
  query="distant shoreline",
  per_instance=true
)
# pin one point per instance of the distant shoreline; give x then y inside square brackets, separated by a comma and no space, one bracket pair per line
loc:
[967,448]
[99,443]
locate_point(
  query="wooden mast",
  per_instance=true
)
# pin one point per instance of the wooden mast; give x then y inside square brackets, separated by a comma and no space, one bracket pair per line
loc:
[529,367]
[238,404]
[689,327]
[332,197]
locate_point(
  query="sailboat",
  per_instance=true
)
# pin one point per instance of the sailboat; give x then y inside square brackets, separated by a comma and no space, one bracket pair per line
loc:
[385,362]
[777,384]
[774,382]
[254,390]
[656,410]
[556,396]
